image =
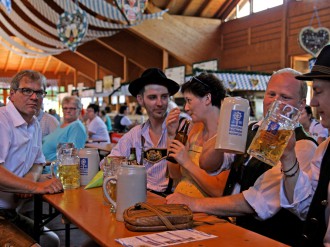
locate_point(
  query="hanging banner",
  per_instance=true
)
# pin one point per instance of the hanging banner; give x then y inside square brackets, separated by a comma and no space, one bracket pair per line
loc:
[313,40]
[7,4]
[132,9]
[72,28]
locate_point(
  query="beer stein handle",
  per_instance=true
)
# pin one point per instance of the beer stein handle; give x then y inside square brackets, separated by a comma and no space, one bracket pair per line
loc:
[105,191]
[53,168]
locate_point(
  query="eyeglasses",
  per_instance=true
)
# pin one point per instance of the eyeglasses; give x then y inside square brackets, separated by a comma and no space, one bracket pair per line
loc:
[198,80]
[69,108]
[28,92]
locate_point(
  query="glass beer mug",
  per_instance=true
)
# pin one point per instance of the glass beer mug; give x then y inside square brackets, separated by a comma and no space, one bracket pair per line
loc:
[274,133]
[110,168]
[66,168]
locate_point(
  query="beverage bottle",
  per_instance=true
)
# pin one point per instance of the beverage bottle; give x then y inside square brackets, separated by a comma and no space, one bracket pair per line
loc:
[132,157]
[181,136]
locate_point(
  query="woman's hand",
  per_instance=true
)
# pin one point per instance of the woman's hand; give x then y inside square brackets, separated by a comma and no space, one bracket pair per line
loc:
[178,151]
[172,122]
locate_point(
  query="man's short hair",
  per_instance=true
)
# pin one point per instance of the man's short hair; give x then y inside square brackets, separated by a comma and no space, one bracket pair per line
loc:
[122,109]
[294,73]
[31,74]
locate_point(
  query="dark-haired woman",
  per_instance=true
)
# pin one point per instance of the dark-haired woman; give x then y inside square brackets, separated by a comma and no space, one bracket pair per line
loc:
[203,95]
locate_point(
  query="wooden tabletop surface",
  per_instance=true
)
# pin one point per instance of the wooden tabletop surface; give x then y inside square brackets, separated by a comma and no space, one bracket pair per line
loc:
[85,209]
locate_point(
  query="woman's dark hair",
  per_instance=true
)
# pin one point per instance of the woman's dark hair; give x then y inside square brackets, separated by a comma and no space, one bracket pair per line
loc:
[309,111]
[95,107]
[203,84]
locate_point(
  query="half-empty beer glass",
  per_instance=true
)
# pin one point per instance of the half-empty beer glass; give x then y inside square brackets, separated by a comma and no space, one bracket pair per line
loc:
[110,168]
[274,133]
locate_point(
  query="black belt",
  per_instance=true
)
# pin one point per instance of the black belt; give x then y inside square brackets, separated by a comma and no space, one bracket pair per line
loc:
[162,194]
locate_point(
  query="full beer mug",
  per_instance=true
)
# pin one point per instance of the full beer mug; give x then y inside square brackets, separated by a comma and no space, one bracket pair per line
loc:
[274,133]
[66,168]
[131,188]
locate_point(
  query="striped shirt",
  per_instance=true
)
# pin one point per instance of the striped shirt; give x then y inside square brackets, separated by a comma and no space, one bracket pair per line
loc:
[48,123]
[156,173]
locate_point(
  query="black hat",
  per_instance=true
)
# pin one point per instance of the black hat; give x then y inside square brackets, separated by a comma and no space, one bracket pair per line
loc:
[321,68]
[153,76]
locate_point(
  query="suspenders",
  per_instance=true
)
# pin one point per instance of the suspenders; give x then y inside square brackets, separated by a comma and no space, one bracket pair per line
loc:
[315,226]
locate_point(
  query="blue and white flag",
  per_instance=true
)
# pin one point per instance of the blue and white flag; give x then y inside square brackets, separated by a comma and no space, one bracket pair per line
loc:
[7,4]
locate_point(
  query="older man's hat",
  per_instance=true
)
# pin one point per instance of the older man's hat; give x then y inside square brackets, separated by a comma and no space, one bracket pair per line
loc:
[153,76]
[321,68]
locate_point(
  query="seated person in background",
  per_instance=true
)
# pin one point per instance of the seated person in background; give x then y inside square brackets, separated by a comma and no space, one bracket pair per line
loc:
[106,119]
[252,190]
[139,112]
[152,91]
[97,130]
[21,158]
[71,130]
[312,126]
[121,122]
[48,123]
[203,95]
[53,113]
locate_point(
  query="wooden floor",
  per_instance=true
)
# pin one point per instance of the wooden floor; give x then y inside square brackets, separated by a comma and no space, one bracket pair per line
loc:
[77,237]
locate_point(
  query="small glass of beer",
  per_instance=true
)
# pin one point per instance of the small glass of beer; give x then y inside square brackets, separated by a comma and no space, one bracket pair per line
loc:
[274,133]
[110,168]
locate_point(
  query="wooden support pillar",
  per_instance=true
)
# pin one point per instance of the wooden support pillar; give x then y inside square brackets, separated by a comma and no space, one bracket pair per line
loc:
[284,47]
[165,60]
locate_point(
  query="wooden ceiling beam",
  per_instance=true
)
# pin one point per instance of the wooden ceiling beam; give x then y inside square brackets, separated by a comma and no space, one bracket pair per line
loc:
[46,64]
[137,64]
[110,47]
[10,54]
[135,48]
[179,38]
[68,70]
[34,64]
[103,56]
[226,8]
[211,8]
[79,62]
[21,63]
[59,64]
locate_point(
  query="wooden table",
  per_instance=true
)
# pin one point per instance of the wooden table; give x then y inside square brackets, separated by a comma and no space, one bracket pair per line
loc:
[85,209]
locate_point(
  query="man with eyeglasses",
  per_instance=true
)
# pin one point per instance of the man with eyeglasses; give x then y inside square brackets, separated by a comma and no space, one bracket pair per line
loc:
[21,158]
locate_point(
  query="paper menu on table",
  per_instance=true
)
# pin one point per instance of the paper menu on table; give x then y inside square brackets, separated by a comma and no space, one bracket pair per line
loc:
[165,238]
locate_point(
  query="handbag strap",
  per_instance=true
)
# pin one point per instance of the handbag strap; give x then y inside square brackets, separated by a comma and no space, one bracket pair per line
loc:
[166,222]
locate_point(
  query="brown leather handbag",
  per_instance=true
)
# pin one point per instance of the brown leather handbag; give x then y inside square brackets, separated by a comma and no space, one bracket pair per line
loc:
[143,217]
